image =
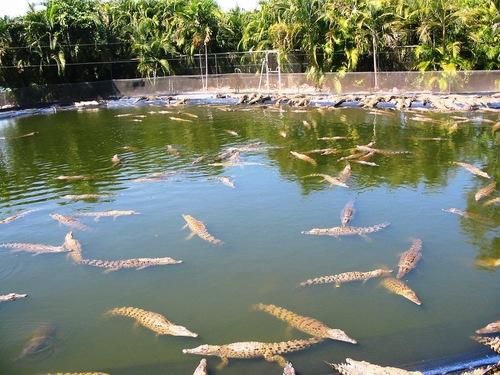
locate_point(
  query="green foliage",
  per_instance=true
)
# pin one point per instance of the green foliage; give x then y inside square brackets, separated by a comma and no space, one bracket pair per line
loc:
[328,35]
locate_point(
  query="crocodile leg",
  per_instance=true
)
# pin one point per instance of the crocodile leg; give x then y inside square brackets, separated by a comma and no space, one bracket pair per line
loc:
[276,358]
[224,362]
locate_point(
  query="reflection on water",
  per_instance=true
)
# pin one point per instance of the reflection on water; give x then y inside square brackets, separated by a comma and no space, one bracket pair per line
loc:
[171,168]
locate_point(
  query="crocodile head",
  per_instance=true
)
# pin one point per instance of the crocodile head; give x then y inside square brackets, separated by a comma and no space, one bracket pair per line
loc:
[338,334]
[180,331]
[203,350]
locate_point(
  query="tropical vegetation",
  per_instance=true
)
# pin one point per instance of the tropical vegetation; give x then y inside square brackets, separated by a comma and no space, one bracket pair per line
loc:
[88,40]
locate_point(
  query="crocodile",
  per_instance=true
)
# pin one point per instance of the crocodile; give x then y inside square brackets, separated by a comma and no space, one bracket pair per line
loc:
[484,192]
[396,286]
[271,352]
[35,248]
[202,368]
[493,327]
[331,180]
[495,128]
[470,215]
[488,262]
[154,177]
[493,342]
[353,367]
[77,197]
[363,162]
[199,229]
[346,231]
[74,247]
[347,213]
[323,151]
[345,174]
[69,221]
[410,258]
[179,119]
[472,169]
[346,277]
[228,181]
[42,339]
[116,160]
[152,321]
[14,217]
[367,156]
[12,297]
[113,213]
[305,324]
[137,263]
[303,157]
[232,132]
[492,202]
[368,149]
[72,178]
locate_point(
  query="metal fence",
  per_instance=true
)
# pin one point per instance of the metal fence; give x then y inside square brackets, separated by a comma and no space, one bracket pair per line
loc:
[463,82]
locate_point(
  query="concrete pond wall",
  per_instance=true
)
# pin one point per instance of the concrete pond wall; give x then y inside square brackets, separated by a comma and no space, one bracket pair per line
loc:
[463,82]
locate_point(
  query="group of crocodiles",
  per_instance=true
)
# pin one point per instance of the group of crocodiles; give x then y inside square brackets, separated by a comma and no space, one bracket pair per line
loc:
[269,351]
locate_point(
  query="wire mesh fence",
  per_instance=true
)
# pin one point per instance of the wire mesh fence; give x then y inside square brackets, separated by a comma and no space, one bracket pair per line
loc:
[235,72]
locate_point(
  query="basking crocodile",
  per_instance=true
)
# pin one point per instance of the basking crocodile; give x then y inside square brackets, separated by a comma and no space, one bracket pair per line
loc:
[346,277]
[14,217]
[202,368]
[398,287]
[152,321]
[490,328]
[199,229]
[74,247]
[304,157]
[331,180]
[305,324]
[472,169]
[347,213]
[12,297]
[493,342]
[137,263]
[346,231]
[252,349]
[484,192]
[353,367]
[69,221]
[113,213]
[410,258]
[34,248]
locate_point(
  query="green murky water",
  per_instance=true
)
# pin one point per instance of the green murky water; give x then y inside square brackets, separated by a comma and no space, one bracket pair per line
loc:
[264,255]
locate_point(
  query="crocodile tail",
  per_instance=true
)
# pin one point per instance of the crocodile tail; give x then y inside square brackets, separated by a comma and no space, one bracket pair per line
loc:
[294,345]
[378,227]
[123,311]
[318,281]
[276,311]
